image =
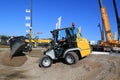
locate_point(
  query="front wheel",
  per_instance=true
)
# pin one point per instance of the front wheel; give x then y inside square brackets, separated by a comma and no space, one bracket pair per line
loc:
[71,58]
[45,62]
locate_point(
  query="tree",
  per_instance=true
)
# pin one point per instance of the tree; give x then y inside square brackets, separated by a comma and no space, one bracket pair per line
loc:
[28,36]
[4,39]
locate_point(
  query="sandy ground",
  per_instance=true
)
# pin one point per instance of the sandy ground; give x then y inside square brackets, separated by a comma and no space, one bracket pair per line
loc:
[93,67]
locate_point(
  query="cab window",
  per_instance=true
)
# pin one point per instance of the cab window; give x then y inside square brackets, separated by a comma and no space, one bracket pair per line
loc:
[62,34]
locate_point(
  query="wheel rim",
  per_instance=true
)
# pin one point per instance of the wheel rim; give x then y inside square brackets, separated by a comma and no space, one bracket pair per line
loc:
[70,59]
[46,62]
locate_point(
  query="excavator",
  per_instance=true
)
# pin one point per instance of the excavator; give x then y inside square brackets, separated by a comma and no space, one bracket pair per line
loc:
[39,42]
[110,44]
[21,44]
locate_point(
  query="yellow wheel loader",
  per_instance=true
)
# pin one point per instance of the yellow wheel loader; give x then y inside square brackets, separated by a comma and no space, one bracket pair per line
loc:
[66,45]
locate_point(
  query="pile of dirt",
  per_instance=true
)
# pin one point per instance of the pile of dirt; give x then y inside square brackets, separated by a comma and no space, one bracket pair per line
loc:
[93,67]
[15,61]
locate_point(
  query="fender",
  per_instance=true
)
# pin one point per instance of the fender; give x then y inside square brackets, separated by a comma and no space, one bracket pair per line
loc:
[51,54]
[72,49]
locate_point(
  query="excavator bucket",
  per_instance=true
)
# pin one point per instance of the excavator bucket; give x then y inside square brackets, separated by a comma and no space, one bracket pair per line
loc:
[17,45]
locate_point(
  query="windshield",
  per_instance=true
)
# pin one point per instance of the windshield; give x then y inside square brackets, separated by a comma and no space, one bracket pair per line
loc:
[62,34]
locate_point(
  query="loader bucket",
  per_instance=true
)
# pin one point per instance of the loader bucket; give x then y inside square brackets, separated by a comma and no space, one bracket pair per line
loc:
[17,45]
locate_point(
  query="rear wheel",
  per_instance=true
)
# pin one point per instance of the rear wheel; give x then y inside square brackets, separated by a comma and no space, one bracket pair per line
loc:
[45,62]
[71,58]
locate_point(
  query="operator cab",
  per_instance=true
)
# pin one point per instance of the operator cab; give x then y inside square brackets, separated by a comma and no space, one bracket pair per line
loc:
[63,39]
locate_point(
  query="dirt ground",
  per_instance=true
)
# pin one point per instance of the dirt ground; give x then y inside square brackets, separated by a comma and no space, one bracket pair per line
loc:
[93,67]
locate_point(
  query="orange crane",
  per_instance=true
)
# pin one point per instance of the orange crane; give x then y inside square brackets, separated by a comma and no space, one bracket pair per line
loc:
[110,44]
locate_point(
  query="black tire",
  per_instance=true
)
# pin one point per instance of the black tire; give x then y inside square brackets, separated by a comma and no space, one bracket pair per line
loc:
[71,58]
[45,62]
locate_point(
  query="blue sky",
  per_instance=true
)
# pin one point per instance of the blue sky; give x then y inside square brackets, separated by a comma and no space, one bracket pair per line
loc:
[84,13]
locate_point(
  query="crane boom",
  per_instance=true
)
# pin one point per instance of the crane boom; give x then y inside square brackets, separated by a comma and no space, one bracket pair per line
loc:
[110,44]
[105,21]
